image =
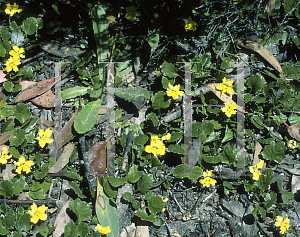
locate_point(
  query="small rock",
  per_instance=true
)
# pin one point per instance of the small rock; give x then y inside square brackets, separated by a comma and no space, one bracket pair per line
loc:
[234,208]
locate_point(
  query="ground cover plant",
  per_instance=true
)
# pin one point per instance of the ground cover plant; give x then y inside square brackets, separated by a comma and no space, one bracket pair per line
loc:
[149,118]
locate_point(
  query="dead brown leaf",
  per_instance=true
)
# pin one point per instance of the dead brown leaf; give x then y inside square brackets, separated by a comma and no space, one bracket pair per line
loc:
[33,89]
[270,5]
[63,159]
[262,51]
[142,231]
[61,220]
[224,98]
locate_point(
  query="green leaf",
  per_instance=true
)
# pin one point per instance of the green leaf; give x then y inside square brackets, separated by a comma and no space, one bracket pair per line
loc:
[30,25]
[182,170]
[5,34]
[288,4]
[263,214]
[76,189]
[9,220]
[294,119]
[139,141]
[270,198]
[169,70]
[87,118]
[212,159]
[153,39]
[2,51]
[228,135]
[228,155]
[26,71]
[18,137]
[254,212]
[274,152]
[145,183]
[176,149]
[44,170]
[22,112]
[107,214]
[82,210]
[156,204]
[287,197]
[74,92]
[128,197]
[7,188]
[153,117]
[255,83]
[41,192]
[13,25]
[134,174]
[70,230]
[82,229]
[117,181]
[19,184]
[109,191]
[131,93]
[8,86]
[265,179]
[23,222]
[43,229]
[3,230]
[227,63]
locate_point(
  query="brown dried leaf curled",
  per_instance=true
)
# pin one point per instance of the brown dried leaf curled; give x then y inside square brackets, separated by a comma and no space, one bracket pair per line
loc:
[262,51]
[294,130]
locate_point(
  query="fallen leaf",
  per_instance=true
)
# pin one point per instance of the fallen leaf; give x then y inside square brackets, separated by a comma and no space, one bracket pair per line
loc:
[61,220]
[97,158]
[7,173]
[262,51]
[63,159]
[293,130]
[5,136]
[224,98]
[270,5]
[34,90]
[142,231]
[258,148]
[2,76]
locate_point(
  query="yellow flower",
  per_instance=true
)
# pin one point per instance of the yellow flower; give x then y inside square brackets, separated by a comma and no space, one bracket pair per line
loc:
[166,137]
[3,156]
[37,213]
[225,87]
[174,91]
[12,9]
[23,165]
[17,52]
[43,137]
[165,199]
[254,170]
[292,144]
[229,109]
[283,224]
[12,64]
[131,13]
[189,24]
[102,230]
[207,179]
[157,146]
[208,174]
